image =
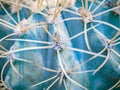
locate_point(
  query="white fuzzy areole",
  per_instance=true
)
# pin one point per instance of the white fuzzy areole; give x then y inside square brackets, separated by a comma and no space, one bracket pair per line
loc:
[20,27]
[53,9]
[52,17]
[16,7]
[67,3]
[85,14]
[37,6]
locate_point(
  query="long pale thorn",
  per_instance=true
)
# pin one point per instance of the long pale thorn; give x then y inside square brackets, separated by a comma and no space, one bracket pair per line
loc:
[65,73]
[86,37]
[98,6]
[106,11]
[114,85]
[8,14]
[29,40]
[52,84]
[49,79]
[104,62]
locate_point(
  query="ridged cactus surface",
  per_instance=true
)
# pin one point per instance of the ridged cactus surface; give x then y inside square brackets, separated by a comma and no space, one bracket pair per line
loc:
[60,44]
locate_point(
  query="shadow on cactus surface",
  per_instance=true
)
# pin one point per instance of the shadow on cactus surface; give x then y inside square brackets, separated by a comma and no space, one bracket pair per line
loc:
[60,44]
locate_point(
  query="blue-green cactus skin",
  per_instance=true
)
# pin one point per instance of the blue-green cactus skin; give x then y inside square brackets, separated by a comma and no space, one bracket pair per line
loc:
[4,31]
[33,73]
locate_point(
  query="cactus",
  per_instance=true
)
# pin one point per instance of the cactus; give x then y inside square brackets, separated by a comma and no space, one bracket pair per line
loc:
[60,44]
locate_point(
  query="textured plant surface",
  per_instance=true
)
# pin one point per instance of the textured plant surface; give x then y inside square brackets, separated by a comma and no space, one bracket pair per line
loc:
[60,44]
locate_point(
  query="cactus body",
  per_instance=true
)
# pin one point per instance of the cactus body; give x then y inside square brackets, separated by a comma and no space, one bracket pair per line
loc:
[60,44]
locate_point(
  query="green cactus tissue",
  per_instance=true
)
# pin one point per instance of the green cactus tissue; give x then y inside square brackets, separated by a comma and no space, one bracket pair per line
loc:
[60,44]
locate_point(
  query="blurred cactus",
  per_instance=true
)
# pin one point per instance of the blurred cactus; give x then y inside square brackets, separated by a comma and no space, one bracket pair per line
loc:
[60,44]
